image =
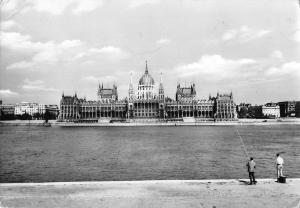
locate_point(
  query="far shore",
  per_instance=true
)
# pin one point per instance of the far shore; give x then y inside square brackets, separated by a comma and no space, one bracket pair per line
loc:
[290,121]
[133,194]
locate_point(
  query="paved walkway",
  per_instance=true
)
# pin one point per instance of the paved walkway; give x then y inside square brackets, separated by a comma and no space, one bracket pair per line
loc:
[179,194]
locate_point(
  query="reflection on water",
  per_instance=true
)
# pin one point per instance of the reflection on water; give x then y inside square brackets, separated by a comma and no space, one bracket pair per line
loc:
[42,154]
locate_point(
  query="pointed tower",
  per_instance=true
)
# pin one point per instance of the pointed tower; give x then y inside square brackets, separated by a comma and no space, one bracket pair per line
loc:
[99,91]
[161,93]
[130,91]
[194,89]
[146,70]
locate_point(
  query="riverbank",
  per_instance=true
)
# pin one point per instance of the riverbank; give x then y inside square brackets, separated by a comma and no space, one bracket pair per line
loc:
[194,193]
[119,124]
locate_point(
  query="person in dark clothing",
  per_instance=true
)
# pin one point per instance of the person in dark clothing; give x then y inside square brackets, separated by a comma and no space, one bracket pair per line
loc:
[251,166]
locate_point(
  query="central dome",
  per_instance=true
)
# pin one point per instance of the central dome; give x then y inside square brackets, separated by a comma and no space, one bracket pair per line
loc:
[146,79]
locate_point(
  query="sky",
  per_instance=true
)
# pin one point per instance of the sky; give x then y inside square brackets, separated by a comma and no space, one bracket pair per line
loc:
[247,47]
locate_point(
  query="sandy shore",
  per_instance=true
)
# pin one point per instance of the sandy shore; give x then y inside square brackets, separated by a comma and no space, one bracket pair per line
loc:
[197,193]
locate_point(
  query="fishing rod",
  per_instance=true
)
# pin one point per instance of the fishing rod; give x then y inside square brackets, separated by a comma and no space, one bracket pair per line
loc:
[242,142]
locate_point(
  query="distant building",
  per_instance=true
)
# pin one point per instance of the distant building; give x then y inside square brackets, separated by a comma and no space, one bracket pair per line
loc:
[41,109]
[185,94]
[271,110]
[297,109]
[107,95]
[69,108]
[225,107]
[147,104]
[287,108]
[53,111]
[26,108]
[7,111]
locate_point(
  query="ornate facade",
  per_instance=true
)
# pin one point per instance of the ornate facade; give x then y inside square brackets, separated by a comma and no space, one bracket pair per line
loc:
[148,104]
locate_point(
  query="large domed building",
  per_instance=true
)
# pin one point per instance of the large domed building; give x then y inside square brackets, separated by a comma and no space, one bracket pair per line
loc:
[148,101]
[148,104]
[146,86]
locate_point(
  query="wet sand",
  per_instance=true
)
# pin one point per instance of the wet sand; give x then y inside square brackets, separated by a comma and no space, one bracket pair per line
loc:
[194,193]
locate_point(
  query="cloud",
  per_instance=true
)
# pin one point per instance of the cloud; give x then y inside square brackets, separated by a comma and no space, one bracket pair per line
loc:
[138,3]
[37,85]
[58,7]
[214,67]
[19,42]
[95,79]
[296,36]
[289,68]
[42,52]
[109,52]
[20,65]
[244,34]
[106,50]
[7,25]
[8,5]
[277,54]
[51,53]
[163,41]
[86,6]
[7,93]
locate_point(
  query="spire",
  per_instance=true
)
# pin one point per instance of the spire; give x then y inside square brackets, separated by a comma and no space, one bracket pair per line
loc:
[130,91]
[75,94]
[102,86]
[146,71]
[161,82]
[63,94]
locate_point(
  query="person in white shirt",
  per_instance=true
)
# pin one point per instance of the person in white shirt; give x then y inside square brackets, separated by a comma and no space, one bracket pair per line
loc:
[279,166]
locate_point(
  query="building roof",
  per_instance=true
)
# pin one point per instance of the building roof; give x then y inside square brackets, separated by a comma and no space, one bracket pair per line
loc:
[69,99]
[271,105]
[186,91]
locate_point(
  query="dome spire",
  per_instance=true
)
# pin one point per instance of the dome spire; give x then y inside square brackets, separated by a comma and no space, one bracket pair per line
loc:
[146,71]
[161,77]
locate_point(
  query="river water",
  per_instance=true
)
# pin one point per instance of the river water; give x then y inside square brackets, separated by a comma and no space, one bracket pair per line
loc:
[41,154]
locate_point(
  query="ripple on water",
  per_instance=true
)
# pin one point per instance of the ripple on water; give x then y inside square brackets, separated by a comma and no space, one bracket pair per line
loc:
[143,153]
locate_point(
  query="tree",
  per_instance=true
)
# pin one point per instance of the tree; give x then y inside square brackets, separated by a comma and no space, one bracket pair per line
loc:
[47,116]
[256,112]
[243,113]
[25,116]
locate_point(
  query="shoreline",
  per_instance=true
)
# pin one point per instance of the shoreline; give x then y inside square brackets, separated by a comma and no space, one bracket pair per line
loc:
[233,193]
[241,122]
[200,181]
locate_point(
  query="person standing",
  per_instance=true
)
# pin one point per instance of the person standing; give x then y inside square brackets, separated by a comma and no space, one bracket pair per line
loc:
[251,166]
[279,166]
